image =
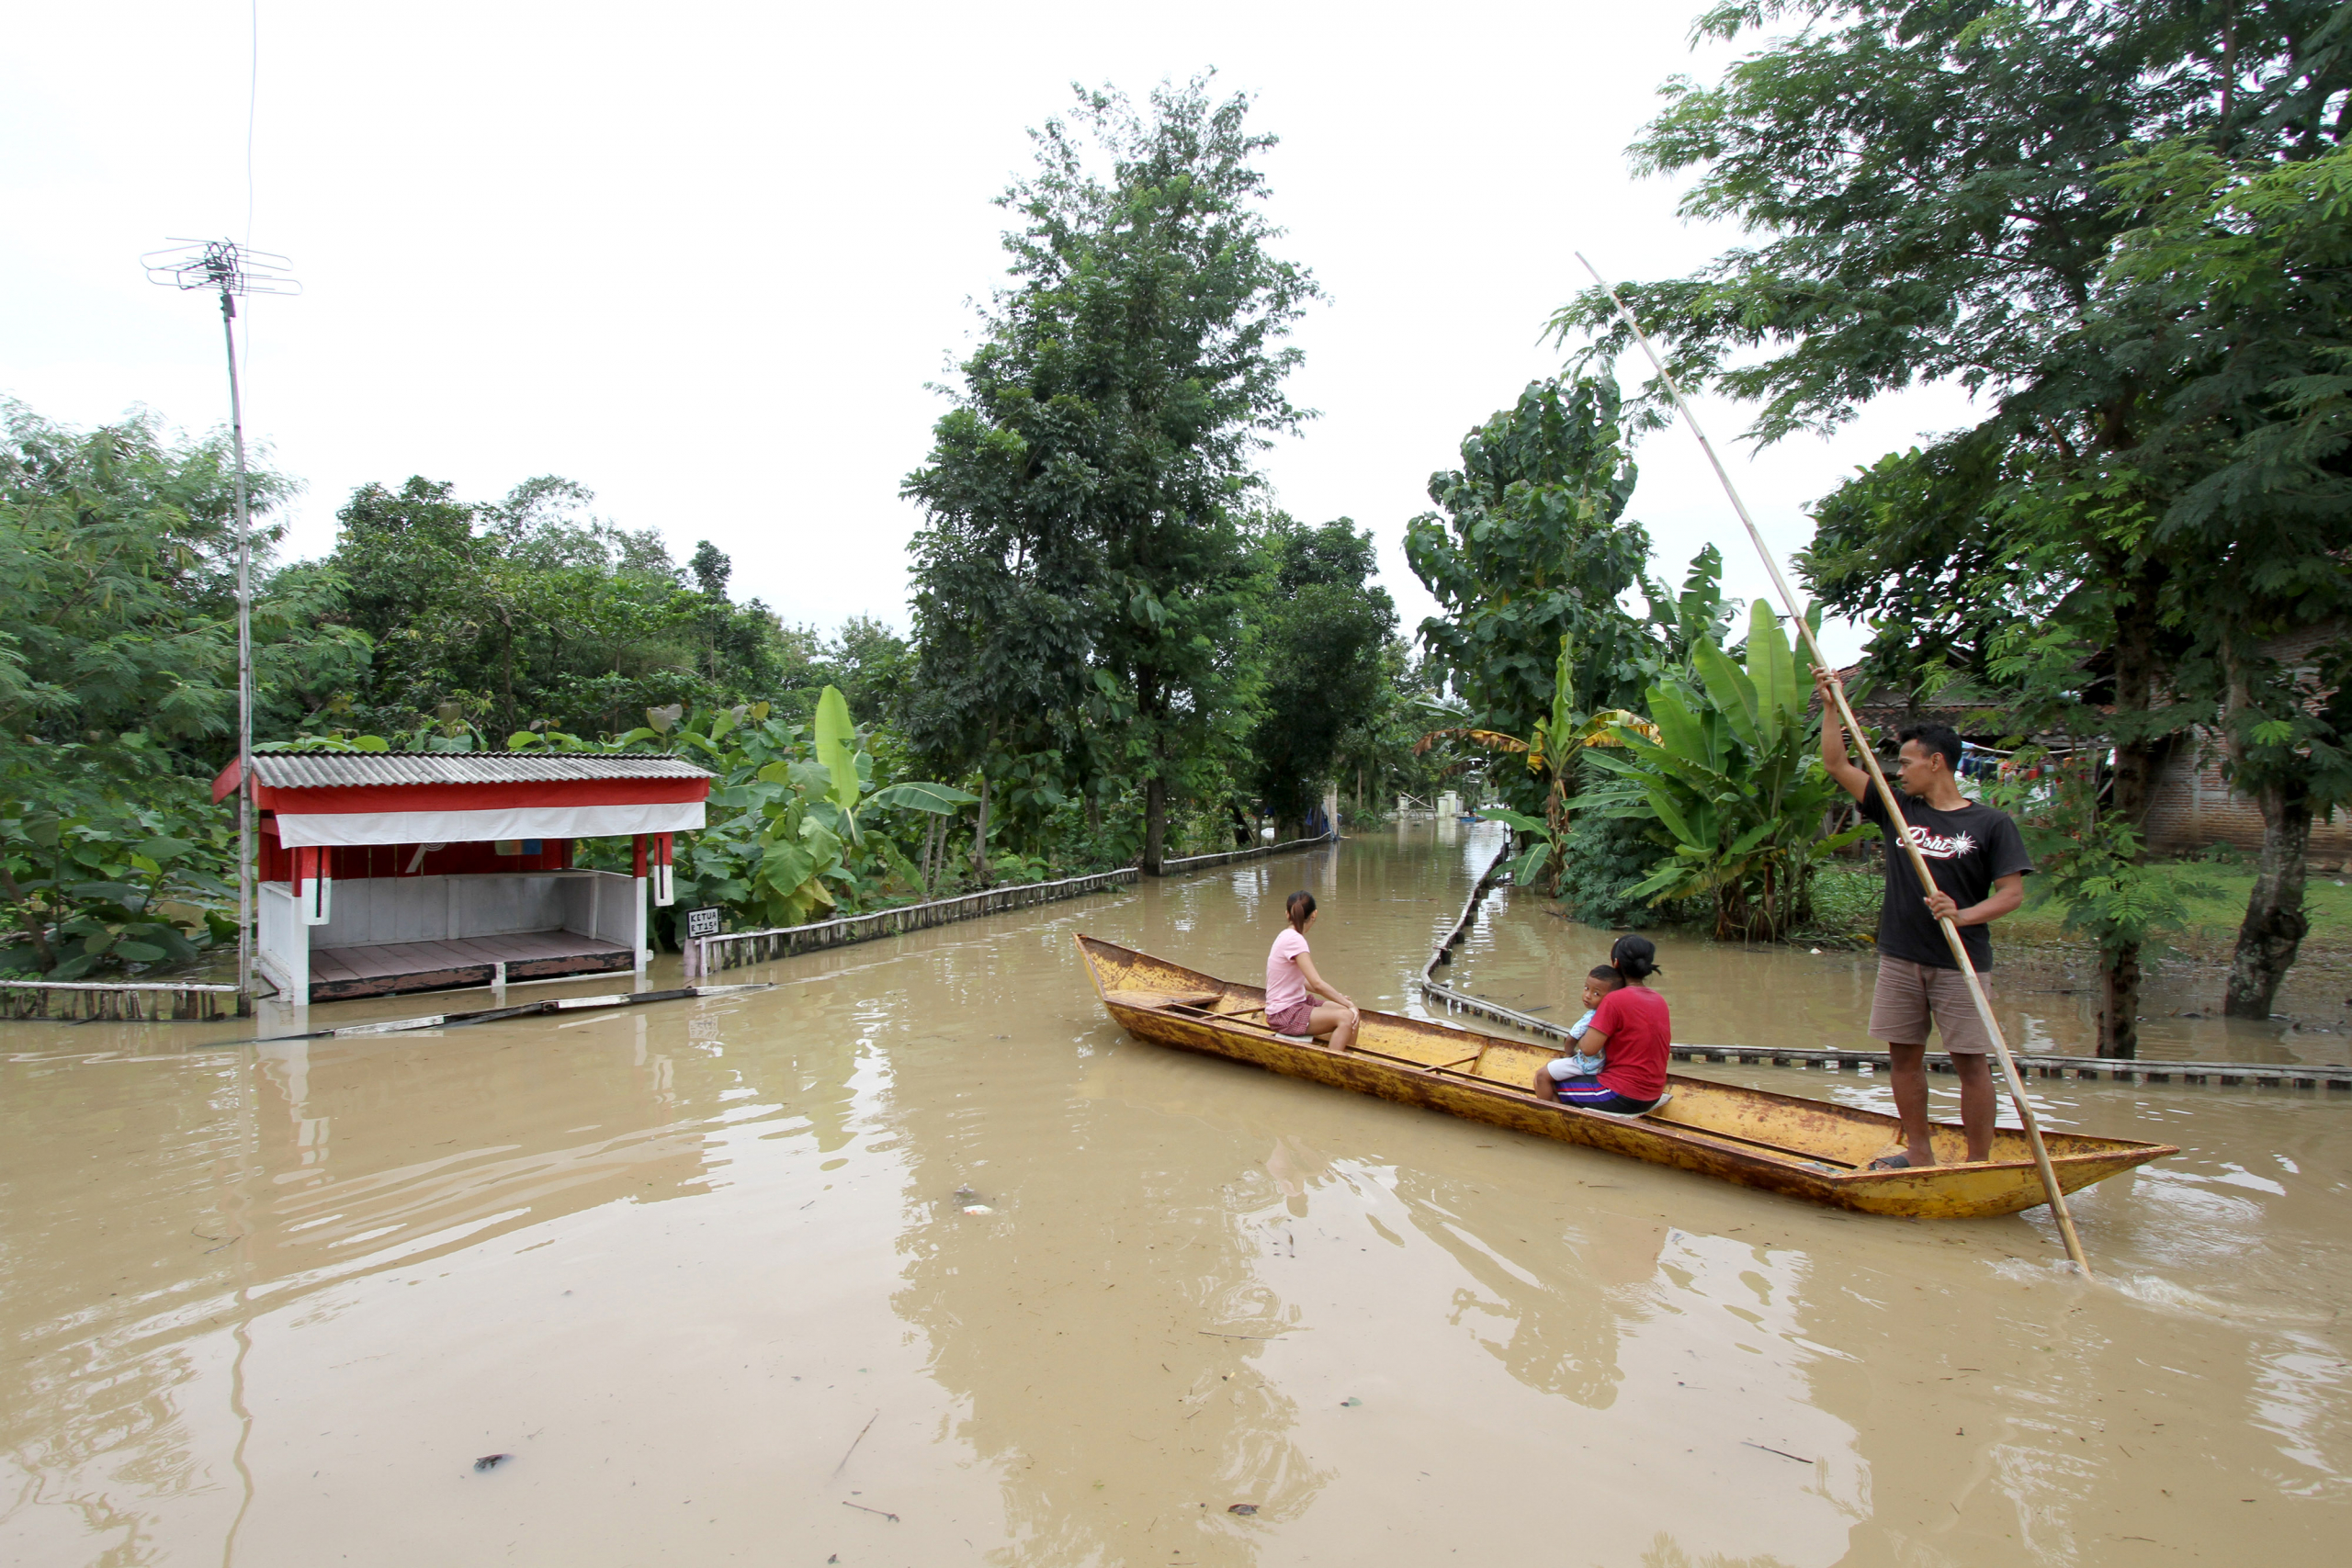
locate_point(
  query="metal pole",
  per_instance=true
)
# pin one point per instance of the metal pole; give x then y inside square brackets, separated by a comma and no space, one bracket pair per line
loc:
[1878,777]
[245,675]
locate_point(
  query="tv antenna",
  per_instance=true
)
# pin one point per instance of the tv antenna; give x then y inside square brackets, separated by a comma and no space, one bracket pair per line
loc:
[227,269]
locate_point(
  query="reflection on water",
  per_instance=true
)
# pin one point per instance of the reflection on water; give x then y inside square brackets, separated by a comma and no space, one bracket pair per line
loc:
[917,1259]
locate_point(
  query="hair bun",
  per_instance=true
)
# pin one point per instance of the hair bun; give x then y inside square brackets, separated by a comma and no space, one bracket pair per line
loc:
[1635,957]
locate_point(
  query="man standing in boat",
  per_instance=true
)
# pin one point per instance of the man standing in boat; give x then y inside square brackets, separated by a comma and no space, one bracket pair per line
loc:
[1979,864]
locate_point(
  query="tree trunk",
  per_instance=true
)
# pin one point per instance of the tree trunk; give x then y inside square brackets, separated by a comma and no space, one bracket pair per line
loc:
[507,678]
[2118,1004]
[2135,676]
[980,835]
[2275,923]
[37,929]
[1155,823]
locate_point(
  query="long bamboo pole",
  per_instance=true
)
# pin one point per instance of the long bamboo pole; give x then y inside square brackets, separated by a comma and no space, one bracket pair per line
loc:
[1878,777]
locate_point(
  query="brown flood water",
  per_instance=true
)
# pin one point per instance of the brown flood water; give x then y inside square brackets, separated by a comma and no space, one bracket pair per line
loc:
[711,1271]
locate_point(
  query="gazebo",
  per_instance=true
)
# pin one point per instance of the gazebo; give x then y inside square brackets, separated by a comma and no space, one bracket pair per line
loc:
[389,872]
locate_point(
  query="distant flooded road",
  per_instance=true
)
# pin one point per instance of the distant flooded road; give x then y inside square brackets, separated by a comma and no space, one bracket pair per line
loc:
[918,1260]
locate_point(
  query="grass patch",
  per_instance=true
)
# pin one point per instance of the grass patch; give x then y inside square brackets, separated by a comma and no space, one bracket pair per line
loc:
[1846,901]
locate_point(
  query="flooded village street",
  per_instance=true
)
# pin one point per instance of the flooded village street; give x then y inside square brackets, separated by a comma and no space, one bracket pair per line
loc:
[918,1260]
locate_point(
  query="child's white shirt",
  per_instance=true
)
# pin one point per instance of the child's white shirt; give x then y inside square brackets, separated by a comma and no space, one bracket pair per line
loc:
[1578,1064]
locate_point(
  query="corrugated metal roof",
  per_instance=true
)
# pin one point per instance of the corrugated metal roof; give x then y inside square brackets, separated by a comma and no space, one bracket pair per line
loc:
[332,769]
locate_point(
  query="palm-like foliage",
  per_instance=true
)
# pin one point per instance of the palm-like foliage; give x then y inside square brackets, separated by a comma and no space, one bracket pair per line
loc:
[1732,785]
[1552,750]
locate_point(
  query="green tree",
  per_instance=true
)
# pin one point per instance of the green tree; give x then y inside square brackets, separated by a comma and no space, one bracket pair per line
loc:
[870,663]
[1932,183]
[1318,630]
[531,610]
[1530,547]
[1379,754]
[2247,265]
[1083,558]
[118,681]
[1001,579]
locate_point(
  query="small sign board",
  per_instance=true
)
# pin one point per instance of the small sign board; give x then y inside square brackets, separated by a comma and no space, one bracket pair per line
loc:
[702,922]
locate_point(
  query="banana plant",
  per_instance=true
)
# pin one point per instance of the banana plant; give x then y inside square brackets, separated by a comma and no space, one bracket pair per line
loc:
[1730,785]
[850,770]
[792,812]
[1560,736]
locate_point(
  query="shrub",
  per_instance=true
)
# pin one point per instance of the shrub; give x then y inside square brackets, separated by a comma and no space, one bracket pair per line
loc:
[1603,858]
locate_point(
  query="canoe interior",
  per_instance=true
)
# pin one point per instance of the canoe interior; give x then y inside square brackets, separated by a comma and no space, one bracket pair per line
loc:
[1809,1146]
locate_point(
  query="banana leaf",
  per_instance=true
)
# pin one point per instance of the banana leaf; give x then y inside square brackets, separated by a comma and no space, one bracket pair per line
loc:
[940,799]
[1730,692]
[837,750]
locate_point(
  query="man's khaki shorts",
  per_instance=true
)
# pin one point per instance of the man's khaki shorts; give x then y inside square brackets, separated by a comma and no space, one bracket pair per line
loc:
[1911,996]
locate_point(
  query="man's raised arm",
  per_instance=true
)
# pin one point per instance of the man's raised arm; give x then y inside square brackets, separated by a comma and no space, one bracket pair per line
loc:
[1833,740]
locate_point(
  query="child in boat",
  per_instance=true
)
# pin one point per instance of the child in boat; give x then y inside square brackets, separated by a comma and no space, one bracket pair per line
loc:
[1597,987]
[1290,977]
[1629,1031]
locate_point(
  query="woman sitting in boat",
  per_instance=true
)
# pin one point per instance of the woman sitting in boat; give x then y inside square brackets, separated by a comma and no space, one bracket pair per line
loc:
[1291,976]
[1630,1032]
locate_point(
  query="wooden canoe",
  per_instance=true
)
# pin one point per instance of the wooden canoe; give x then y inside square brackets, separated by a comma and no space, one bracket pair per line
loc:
[1806,1149]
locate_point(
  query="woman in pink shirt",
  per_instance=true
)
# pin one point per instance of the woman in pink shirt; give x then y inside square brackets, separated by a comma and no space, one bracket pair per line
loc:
[1290,977]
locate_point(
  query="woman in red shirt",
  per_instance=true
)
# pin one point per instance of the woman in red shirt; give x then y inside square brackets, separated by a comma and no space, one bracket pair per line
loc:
[1631,1032]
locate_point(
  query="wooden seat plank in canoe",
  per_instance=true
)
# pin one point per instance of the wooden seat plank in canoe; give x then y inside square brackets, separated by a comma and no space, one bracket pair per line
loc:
[1806,1149]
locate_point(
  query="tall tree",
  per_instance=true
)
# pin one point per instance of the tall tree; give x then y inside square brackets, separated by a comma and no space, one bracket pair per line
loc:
[1318,632]
[118,681]
[118,592]
[2247,265]
[1001,643]
[1531,545]
[1931,180]
[531,611]
[1104,435]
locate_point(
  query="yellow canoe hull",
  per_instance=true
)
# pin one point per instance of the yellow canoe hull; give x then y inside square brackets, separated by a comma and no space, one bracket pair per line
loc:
[1806,1148]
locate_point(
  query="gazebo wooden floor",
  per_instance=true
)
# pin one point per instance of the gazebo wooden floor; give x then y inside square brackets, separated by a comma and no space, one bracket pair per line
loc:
[392,968]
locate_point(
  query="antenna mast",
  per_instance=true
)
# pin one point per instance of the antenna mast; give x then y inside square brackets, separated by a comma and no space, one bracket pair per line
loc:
[227,269]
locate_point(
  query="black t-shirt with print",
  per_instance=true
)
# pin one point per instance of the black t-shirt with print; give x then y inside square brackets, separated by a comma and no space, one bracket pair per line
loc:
[1967,850]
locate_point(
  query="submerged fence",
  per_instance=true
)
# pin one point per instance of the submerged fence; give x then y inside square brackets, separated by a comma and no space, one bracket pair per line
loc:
[1462,1001]
[2112,1069]
[707,955]
[736,948]
[129,1001]
[1234,857]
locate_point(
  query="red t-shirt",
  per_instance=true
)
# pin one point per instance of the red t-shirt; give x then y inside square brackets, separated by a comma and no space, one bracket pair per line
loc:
[1634,1017]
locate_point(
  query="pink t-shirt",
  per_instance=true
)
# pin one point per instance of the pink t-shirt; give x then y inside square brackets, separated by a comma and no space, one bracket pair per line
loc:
[1286,986]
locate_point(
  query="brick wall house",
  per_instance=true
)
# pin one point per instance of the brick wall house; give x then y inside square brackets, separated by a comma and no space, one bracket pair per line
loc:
[2191,805]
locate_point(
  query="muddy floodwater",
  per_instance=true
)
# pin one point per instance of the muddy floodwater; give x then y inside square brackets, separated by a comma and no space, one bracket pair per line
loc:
[918,1260]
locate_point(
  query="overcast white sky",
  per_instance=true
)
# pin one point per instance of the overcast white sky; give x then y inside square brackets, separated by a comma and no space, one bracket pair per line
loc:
[704,257]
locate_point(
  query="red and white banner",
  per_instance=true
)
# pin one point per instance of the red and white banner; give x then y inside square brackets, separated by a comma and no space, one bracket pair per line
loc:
[297,828]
